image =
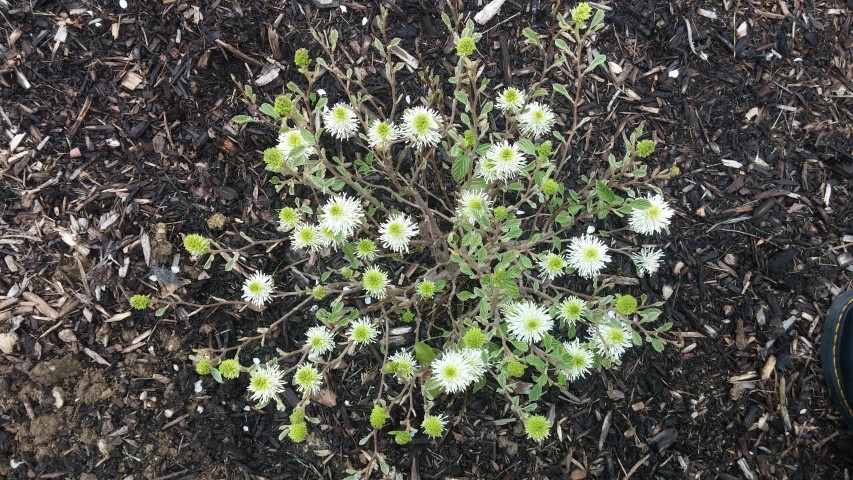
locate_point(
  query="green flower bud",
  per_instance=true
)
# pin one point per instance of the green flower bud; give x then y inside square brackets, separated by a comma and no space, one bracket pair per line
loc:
[298,416]
[298,432]
[319,292]
[626,304]
[402,438]
[283,105]
[433,425]
[581,13]
[302,58]
[474,338]
[202,367]
[645,148]
[274,158]
[501,213]
[550,187]
[515,368]
[426,289]
[229,369]
[470,139]
[196,245]
[378,417]
[537,428]
[465,46]
[139,302]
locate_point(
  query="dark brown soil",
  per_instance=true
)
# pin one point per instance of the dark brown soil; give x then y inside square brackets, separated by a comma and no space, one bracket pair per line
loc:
[126,133]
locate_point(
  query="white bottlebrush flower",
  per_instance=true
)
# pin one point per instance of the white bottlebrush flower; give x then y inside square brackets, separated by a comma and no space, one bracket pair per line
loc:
[580,360]
[381,134]
[475,362]
[319,340]
[503,161]
[647,260]
[258,288]
[340,121]
[652,219]
[453,371]
[536,120]
[526,321]
[342,215]
[363,331]
[404,364]
[306,237]
[571,310]
[397,232]
[610,340]
[511,100]
[294,147]
[328,238]
[308,379]
[588,255]
[422,127]
[375,282]
[552,265]
[265,382]
[472,204]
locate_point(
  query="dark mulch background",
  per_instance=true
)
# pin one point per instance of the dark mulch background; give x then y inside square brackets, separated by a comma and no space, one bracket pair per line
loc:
[125,131]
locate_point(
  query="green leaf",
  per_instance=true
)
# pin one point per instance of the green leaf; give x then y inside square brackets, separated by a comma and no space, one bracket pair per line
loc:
[160,311]
[598,60]
[605,193]
[532,37]
[656,344]
[464,295]
[527,146]
[240,119]
[424,353]
[269,111]
[459,169]
[665,327]
[230,265]
[462,97]
[216,375]
[559,88]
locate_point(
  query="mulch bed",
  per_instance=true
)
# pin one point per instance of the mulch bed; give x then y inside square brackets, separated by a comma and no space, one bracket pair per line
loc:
[117,132]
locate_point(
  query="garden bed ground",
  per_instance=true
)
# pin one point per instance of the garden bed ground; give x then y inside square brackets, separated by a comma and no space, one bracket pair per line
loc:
[121,132]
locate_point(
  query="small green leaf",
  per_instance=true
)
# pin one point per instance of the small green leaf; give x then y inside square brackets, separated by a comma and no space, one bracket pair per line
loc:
[424,353]
[605,193]
[230,265]
[459,169]
[240,119]
[656,344]
[598,60]
[532,37]
[269,111]
[160,311]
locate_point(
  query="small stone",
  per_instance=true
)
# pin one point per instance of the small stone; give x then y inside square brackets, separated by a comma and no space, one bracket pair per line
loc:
[67,336]
[75,153]
[8,341]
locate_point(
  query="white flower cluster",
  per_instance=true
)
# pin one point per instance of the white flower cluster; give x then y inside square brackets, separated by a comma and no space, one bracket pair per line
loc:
[420,127]
[458,369]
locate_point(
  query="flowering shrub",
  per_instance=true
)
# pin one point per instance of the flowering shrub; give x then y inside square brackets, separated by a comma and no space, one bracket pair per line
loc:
[464,217]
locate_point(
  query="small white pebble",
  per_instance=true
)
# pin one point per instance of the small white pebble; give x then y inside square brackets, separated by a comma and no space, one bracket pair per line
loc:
[343,9]
[314,308]
[346,288]
[321,92]
[222,402]
[176,367]
[168,413]
[803,411]
[153,278]
[364,21]
[408,99]
[673,73]
[197,387]
[245,428]
[199,409]
[611,314]
[112,141]
[519,212]
[14,463]
[176,269]
[246,408]
[368,300]
[256,361]
[346,403]
[122,3]
[590,230]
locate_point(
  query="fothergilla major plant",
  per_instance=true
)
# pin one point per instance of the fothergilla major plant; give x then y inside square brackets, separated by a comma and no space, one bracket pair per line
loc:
[462,229]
